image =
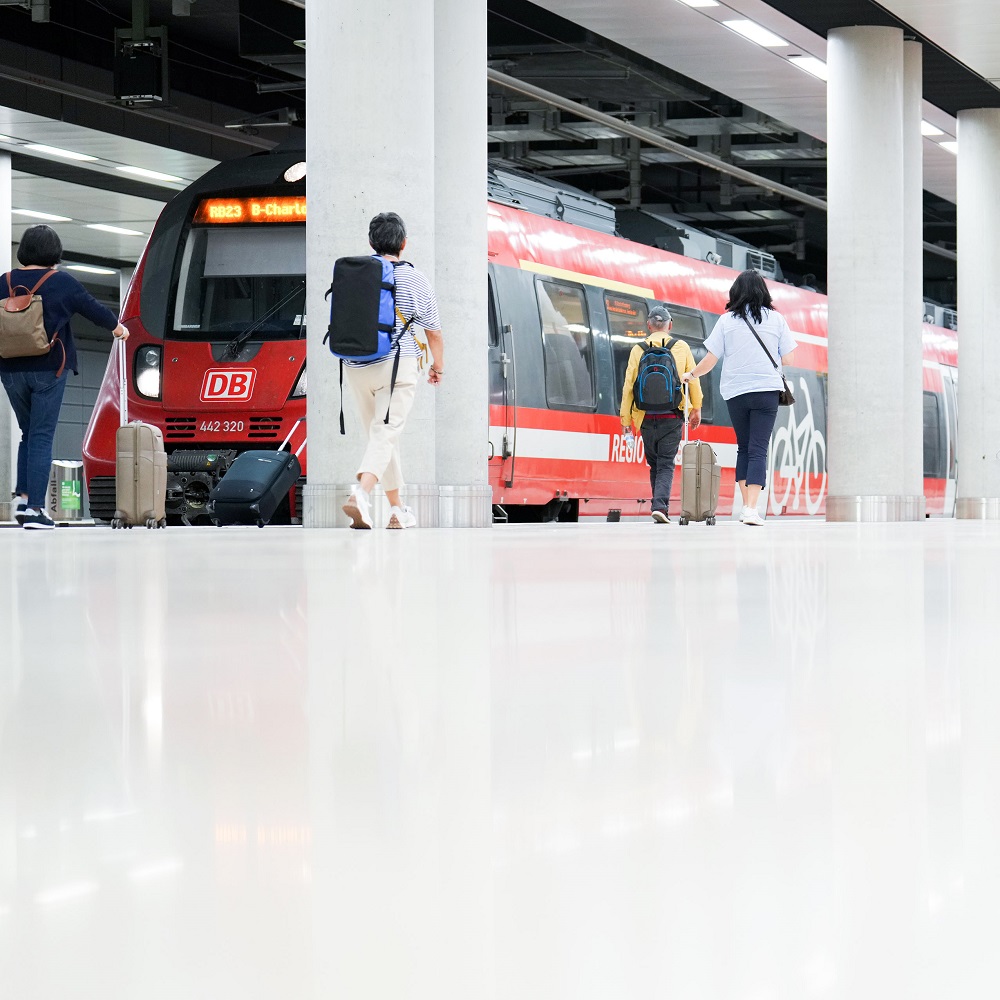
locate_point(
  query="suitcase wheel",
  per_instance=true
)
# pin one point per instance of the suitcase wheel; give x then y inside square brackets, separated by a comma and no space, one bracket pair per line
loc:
[709,520]
[683,520]
[116,522]
[260,523]
[163,522]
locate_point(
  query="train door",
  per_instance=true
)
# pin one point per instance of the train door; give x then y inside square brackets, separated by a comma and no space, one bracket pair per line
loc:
[949,379]
[503,392]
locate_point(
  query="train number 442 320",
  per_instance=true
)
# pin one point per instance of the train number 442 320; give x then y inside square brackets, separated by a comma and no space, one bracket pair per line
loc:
[222,426]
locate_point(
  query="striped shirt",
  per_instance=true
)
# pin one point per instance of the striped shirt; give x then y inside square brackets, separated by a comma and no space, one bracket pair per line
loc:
[414,297]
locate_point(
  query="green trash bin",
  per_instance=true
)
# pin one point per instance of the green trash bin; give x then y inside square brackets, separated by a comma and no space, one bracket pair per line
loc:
[66,491]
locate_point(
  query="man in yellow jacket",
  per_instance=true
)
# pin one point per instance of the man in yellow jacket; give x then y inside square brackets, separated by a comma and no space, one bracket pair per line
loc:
[661,432]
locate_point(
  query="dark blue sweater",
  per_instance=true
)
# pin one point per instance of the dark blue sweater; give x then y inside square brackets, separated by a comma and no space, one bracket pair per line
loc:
[62,296]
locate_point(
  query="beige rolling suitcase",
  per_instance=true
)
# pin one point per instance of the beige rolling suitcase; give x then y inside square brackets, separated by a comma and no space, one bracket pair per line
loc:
[700,478]
[141,466]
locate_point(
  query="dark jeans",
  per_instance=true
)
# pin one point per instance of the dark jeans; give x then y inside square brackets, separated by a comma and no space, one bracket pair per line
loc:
[753,416]
[36,398]
[660,438]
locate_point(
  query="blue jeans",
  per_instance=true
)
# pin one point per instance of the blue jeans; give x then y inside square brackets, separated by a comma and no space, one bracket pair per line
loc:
[36,398]
[753,415]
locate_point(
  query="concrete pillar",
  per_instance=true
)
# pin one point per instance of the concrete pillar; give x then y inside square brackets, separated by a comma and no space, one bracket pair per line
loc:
[866,285]
[461,276]
[978,348]
[7,423]
[370,149]
[913,275]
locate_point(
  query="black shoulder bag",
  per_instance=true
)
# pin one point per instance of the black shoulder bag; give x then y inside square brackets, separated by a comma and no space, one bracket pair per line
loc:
[785,397]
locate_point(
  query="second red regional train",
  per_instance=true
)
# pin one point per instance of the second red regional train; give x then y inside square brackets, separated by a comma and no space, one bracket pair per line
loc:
[217,356]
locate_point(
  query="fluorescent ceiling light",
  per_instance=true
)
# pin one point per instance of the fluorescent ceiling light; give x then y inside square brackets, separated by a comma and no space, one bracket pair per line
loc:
[926,128]
[153,175]
[951,145]
[701,3]
[87,269]
[44,216]
[810,64]
[756,33]
[66,154]
[114,229]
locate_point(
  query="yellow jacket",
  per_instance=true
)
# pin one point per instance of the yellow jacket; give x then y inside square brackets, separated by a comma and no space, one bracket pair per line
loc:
[685,362]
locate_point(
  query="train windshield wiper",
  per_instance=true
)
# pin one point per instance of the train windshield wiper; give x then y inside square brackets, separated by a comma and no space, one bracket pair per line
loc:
[237,344]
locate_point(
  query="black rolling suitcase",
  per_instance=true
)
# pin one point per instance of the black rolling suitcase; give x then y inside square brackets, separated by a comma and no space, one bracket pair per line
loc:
[254,485]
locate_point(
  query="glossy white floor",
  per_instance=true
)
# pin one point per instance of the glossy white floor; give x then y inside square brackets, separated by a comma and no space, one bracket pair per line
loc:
[611,762]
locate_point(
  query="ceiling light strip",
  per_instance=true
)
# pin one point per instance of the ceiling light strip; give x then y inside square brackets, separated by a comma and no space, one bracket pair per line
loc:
[652,138]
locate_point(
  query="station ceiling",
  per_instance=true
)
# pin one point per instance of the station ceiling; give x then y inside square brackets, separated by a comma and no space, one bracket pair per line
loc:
[236,84]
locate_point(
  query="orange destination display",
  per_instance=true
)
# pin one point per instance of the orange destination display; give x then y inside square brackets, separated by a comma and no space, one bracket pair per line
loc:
[220,211]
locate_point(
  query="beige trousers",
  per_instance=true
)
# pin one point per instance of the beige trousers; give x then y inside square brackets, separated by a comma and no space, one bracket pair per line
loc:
[370,388]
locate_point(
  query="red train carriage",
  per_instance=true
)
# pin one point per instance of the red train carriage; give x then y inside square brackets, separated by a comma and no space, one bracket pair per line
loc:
[217,355]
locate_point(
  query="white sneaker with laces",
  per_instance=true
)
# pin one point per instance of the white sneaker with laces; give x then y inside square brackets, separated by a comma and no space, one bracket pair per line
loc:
[402,517]
[358,508]
[750,516]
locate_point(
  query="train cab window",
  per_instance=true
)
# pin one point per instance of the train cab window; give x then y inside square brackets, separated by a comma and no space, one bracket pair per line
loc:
[934,449]
[627,326]
[567,345]
[234,279]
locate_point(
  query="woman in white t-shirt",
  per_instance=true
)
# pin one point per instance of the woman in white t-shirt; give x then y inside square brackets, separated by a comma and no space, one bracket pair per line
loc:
[751,378]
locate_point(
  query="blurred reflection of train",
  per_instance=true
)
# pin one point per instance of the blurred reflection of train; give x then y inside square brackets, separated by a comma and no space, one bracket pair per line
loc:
[217,355]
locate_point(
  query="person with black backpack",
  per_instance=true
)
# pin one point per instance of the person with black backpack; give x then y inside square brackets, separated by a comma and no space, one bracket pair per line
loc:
[653,403]
[376,303]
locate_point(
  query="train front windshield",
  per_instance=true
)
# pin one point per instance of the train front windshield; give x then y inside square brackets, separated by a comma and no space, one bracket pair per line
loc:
[235,279]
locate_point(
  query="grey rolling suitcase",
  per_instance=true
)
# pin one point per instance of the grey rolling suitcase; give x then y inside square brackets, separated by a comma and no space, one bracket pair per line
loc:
[700,477]
[140,467]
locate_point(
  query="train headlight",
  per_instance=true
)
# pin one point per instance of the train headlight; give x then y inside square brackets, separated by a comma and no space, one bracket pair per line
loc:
[147,371]
[300,386]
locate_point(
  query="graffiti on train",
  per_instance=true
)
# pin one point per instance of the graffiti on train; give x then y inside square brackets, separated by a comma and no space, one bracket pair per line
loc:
[797,458]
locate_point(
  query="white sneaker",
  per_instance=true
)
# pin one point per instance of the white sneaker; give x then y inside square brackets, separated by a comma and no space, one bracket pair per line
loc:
[20,509]
[402,517]
[750,516]
[358,508]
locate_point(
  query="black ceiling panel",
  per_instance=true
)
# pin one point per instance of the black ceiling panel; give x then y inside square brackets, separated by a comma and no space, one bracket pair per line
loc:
[948,84]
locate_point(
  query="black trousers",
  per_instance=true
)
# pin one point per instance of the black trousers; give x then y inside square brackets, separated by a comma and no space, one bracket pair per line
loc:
[753,415]
[661,437]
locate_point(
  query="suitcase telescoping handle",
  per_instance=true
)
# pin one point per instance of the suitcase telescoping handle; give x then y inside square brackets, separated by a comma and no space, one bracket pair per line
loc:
[687,418]
[122,382]
[300,448]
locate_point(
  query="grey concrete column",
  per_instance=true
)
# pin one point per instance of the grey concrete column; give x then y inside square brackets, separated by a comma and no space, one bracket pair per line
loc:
[7,422]
[370,96]
[913,275]
[978,346]
[461,276]
[866,285]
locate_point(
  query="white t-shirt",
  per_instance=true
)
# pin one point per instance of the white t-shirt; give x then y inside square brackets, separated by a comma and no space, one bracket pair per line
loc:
[745,366]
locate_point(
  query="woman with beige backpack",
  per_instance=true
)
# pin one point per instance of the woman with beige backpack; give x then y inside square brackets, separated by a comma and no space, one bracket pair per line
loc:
[37,352]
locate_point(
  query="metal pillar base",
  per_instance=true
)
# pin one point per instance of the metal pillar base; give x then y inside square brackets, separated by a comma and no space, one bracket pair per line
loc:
[466,506]
[323,502]
[425,500]
[978,508]
[864,509]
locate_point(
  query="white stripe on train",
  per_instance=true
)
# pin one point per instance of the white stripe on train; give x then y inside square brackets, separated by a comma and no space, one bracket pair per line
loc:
[579,446]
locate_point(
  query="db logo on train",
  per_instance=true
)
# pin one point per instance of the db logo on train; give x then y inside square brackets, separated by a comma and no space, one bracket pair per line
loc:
[228,384]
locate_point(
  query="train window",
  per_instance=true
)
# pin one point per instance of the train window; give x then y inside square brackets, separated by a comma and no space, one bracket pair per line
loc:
[567,345]
[627,326]
[690,327]
[934,452]
[232,279]
[494,325]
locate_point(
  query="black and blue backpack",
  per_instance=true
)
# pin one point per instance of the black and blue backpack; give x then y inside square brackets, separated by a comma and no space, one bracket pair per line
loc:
[658,387]
[363,314]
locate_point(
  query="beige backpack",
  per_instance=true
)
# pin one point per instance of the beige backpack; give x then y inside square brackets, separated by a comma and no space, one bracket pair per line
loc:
[22,324]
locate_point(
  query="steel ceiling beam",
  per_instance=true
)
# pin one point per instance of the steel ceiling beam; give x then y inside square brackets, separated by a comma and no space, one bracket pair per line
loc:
[652,138]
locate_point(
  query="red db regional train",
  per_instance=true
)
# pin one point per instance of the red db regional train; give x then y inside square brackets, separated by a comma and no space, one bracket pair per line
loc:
[217,356]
